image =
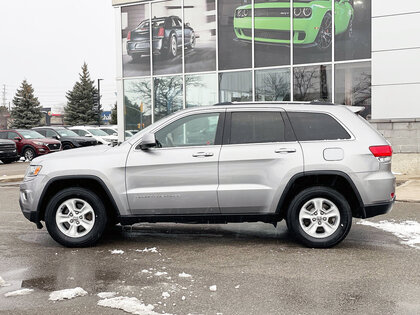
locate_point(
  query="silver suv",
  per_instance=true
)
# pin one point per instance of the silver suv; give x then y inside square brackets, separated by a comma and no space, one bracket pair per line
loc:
[316,166]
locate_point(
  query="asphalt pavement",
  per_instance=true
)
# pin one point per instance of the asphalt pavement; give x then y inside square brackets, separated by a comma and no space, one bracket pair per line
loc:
[256,268]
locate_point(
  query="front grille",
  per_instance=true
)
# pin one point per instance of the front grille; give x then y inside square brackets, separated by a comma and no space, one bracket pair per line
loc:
[268,34]
[272,12]
[7,147]
[54,146]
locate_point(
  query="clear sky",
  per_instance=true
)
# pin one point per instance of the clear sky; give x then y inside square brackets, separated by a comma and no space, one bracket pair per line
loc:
[47,41]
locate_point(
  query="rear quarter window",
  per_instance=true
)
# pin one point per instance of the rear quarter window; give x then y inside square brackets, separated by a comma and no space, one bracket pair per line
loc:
[317,126]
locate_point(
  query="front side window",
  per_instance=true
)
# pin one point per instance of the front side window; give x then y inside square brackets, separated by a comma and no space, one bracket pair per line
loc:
[12,135]
[317,126]
[3,135]
[257,127]
[80,132]
[194,130]
[30,134]
[50,134]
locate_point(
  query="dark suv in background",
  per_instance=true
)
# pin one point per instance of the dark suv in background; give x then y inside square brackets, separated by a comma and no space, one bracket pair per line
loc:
[68,138]
[8,151]
[30,143]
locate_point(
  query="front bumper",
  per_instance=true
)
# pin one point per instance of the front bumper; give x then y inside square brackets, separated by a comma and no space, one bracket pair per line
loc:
[378,209]
[29,197]
[8,154]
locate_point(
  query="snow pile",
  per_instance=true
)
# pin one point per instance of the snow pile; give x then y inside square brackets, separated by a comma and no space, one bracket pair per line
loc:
[3,283]
[146,271]
[106,295]
[165,295]
[160,273]
[408,231]
[67,294]
[147,250]
[184,275]
[19,292]
[117,252]
[213,288]
[128,304]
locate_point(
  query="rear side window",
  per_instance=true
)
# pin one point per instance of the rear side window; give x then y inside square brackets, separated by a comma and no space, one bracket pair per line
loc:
[3,135]
[256,127]
[317,126]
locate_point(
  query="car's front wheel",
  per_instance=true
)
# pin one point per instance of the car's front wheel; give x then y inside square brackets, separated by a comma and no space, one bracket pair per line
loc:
[319,217]
[76,217]
[172,46]
[324,39]
[191,44]
[29,154]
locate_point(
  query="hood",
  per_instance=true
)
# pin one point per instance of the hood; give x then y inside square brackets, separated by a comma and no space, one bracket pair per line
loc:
[79,139]
[78,153]
[46,140]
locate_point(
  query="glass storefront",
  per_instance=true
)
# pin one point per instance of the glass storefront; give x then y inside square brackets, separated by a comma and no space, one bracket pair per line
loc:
[185,53]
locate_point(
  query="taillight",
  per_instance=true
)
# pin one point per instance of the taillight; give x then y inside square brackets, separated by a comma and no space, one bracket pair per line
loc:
[381,150]
[129,36]
[161,32]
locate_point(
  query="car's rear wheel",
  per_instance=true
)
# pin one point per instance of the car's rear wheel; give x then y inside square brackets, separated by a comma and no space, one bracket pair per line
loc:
[67,146]
[29,154]
[172,46]
[324,38]
[192,42]
[319,217]
[76,217]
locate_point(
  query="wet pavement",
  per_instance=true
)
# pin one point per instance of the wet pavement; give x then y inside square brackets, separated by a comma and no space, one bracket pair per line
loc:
[257,268]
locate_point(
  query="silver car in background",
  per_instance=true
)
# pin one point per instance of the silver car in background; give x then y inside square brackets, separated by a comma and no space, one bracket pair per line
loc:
[315,166]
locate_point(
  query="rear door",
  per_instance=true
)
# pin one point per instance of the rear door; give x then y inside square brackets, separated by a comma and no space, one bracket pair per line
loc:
[258,157]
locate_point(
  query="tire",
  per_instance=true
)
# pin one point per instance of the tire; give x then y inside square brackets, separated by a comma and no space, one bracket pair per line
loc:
[29,154]
[172,46]
[76,235]
[8,161]
[324,38]
[314,227]
[192,43]
[349,32]
[67,146]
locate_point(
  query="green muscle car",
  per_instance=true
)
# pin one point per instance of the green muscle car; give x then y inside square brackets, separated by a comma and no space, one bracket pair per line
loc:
[312,20]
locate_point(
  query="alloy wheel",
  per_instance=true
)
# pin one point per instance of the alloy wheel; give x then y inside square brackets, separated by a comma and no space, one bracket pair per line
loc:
[29,155]
[173,46]
[325,32]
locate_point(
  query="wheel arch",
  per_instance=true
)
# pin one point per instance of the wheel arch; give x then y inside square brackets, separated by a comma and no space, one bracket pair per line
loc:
[337,180]
[90,182]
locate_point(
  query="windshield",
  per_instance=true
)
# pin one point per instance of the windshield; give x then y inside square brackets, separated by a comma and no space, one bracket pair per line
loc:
[109,131]
[30,134]
[67,133]
[97,132]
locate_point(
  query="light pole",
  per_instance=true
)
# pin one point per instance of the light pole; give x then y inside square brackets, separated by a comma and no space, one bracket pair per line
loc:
[99,101]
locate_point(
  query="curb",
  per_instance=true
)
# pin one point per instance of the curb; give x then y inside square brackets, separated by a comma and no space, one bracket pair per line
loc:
[11,178]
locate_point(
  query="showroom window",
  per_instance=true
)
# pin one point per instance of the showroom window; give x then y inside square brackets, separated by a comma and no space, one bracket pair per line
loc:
[189,53]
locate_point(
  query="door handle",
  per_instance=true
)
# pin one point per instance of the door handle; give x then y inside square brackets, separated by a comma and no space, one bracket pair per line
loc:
[285,150]
[203,154]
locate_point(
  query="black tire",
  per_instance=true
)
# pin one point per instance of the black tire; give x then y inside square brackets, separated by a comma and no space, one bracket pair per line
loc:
[101,217]
[135,58]
[67,146]
[192,43]
[172,50]
[8,161]
[343,226]
[324,38]
[29,154]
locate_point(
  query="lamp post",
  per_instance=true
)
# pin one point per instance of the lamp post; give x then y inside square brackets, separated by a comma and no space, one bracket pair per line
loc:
[99,101]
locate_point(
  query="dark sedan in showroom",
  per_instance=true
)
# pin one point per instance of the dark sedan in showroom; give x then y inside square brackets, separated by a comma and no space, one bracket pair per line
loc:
[167,37]
[68,138]
[8,151]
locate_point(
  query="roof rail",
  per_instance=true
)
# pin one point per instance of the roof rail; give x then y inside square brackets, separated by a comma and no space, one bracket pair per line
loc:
[223,103]
[320,102]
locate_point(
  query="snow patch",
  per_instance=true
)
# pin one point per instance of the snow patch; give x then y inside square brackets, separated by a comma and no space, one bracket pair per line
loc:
[147,250]
[165,295]
[408,231]
[106,295]
[184,275]
[237,287]
[160,273]
[67,294]
[3,283]
[117,252]
[19,292]
[128,304]
[213,288]
[146,271]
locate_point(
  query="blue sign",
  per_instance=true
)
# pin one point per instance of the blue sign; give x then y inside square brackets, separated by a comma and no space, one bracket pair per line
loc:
[106,116]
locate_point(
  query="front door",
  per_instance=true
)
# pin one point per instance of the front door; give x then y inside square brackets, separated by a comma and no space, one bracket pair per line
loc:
[179,176]
[258,157]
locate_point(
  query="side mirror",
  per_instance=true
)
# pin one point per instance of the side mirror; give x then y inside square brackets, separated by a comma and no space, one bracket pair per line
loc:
[147,141]
[17,138]
[187,24]
[56,137]
[115,134]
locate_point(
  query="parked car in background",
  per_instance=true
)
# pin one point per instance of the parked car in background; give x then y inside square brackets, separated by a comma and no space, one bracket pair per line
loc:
[8,151]
[167,37]
[101,136]
[68,138]
[113,131]
[30,143]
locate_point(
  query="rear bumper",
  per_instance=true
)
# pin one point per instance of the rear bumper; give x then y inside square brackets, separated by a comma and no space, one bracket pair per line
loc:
[378,209]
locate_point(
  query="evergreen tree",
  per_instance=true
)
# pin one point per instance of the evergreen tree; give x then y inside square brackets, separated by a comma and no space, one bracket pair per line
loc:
[27,111]
[114,119]
[80,108]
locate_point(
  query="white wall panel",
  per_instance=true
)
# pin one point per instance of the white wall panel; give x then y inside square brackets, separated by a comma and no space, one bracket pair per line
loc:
[396,101]
[389,7]
[396,66]
[396,32]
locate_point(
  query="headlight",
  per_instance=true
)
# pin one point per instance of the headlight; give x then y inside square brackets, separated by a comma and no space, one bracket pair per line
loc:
[40,143]
[302,12]
[107,140]
[33,170]
[307,12]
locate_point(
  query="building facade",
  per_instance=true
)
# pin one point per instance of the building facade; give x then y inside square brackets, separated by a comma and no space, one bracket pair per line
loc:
[176,54]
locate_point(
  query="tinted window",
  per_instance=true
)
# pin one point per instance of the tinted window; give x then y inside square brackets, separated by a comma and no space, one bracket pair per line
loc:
[80,132]
[42,132]
[3,135]
[12,135]
[256,127]
[316,126]
[50,134]
[194,130]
